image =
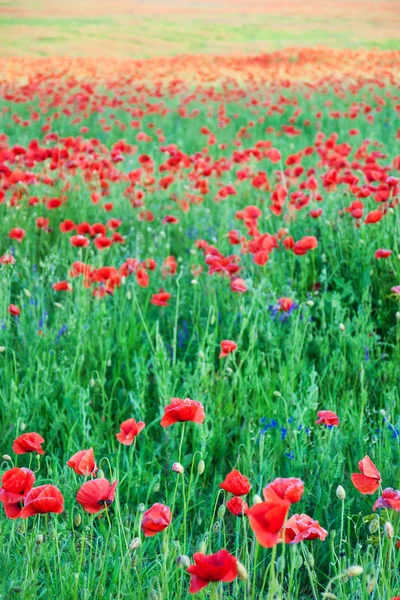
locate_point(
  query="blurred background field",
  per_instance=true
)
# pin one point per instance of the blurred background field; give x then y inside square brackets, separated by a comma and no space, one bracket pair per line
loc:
[147,28]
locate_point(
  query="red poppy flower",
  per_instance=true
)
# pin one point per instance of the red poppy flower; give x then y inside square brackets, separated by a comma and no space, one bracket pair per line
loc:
[373,217]
[28,442]
[302,527]
[129,429]
[62,286]
[382,253]
[83,462]
[227,347]
[17,234]
[80,241]
[183,410]
[221,566]
[328,418]
[14,310]
[396,290]
[285,303]
[282,488]
[235,483]
[390,499]
[304,245]
[156,519]
[266,520]
[160,299]
[16,484]
[366,482]
[41,500]
[238,285]
[96,494]
[237,506]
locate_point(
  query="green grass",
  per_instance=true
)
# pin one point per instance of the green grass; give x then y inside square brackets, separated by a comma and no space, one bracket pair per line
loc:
[121,357]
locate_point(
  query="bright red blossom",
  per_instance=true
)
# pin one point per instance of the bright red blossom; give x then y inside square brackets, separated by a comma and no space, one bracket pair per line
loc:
[221,566]
[97,494]
[302,527]
[183,410]
[28,442]
[328,418]
[129,429]
[156,519]
[235,483]
[227,347]
[41,500]
[266,520]
[83,462]
[290,489]
[366,482]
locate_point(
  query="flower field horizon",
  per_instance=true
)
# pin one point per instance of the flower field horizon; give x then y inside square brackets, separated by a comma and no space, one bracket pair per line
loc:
[200,326]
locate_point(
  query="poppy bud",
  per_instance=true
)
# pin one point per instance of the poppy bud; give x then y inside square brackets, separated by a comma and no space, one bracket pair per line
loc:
[3,348]
[27,293]
[280,564]
[23,426]
[141,507]
[388,529]
[135,543]
[277,394]
[298,561]
[153,595]
[371,585]
[374,526]
[221,511]
[92,382]
[113,544]
[194,282]
[203,547]
[183,561]
[329,596]
[98,564]
[178,468]
[310,303]
[156,487]
[398,316]
[341,327]
[217,527]
[242,571]
[6,457]
[354,571]
[39,538]
[340,493]
[257,499]
[310,559]
[100,474]
[201,466]
[77,520]
[129,295]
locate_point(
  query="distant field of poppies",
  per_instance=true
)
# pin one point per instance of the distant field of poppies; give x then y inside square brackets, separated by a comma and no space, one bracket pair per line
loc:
[200,327]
